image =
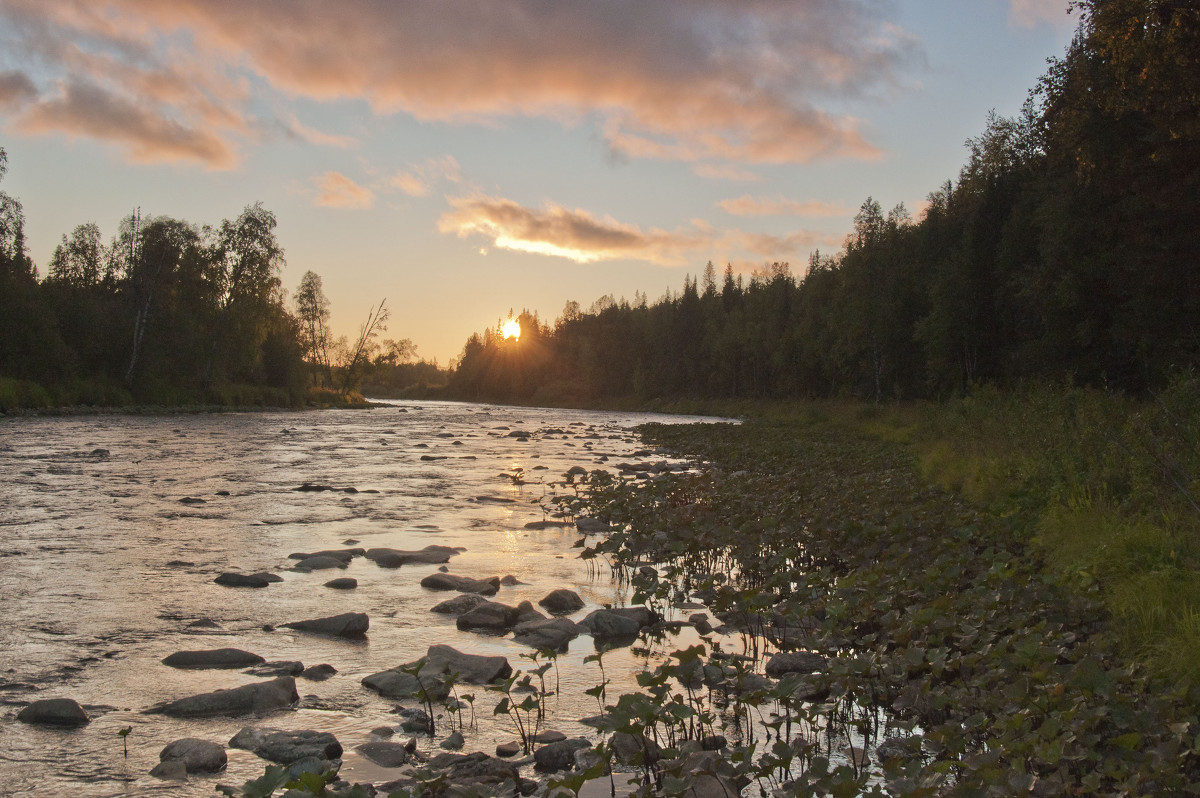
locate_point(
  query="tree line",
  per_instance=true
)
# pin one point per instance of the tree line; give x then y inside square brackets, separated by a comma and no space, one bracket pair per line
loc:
[168,312]
[1065,251]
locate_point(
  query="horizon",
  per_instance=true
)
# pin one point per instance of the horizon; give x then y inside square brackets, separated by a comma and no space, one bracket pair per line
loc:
[465,162]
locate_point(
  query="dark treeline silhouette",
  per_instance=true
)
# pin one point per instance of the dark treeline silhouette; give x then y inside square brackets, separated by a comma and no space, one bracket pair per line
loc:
[1066,251]
[166,313]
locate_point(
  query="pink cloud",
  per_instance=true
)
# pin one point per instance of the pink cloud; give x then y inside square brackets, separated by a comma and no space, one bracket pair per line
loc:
[335,190]
[675,79]
[573,234]
[84,110]
[747,205]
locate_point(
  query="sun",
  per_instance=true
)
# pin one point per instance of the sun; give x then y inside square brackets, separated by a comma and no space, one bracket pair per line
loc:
[511,329]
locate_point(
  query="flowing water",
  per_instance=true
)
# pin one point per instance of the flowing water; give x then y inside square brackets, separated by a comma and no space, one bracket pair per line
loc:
[105,569]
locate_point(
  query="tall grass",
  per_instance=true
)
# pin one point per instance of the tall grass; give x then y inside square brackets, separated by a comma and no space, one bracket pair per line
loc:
[1105,488]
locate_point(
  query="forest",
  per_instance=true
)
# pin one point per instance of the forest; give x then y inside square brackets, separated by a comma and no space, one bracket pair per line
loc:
[1065,252]
[170,313]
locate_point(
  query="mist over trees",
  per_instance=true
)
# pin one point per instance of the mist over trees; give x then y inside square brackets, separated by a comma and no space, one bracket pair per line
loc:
[1065,250]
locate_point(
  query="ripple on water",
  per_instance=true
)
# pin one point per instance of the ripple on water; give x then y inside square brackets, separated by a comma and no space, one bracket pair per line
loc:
[96,608]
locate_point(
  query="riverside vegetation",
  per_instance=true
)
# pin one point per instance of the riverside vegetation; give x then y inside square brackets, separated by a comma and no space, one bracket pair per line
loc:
[1033,634]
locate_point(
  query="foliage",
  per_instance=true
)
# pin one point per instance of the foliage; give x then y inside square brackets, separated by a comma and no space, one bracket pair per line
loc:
[939,630]
[1065,250]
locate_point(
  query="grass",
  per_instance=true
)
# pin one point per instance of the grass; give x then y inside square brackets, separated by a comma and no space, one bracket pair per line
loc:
[1102,488]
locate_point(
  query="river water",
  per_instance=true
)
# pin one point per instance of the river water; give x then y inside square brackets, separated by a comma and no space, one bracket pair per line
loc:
[105,570]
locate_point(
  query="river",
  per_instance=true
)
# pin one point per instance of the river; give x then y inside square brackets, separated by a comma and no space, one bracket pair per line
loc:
[113,527]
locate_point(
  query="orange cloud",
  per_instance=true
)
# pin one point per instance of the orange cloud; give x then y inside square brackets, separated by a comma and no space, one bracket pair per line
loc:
[747,205]
[580,236]
[575,235]
[81,109]
[675,79]
[335,190]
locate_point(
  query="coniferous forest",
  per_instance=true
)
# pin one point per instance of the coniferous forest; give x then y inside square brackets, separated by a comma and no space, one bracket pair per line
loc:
[1065,251]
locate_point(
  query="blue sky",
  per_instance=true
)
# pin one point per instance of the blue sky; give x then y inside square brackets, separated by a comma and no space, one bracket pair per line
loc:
[464,158]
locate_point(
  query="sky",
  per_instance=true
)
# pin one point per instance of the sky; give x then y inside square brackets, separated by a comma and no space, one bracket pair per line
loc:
[463,159]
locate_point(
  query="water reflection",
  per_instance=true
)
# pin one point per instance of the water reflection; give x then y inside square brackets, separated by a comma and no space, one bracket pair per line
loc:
[114,527]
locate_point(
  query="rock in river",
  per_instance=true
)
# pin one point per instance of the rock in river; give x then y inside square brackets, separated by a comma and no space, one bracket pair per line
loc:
[394,558]
[385,754]
[490,616]
[459,604]
[463,584]
[319,563]
[348,624]
[286,747]
[610,625]
[342,583]
[255,698]
[552,633]
[230,579]
[439,660]
[562,602]
[213,658]
[197,756]
[54,712]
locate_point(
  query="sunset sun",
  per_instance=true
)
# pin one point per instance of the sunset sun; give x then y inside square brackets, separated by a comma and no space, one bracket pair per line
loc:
[511,329]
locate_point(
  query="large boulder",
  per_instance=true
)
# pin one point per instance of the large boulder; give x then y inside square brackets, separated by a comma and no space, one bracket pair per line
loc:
[551,633]
[213,658]
[459,604]
[471,668]
[197,756]
[394,558]
[463,584]
[54,712]
[491,616]
[256,698]
[562,602]
[342,583]
[796,662]
[348,624]
[286,747]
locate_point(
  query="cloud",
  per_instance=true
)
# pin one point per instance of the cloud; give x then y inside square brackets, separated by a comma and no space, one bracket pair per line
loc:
[573,234]
[335,190]
[747,82]
[294,128]
[16,89]
[747,205]
[1031,13]
[85,110]
[417,180]
[582,237]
